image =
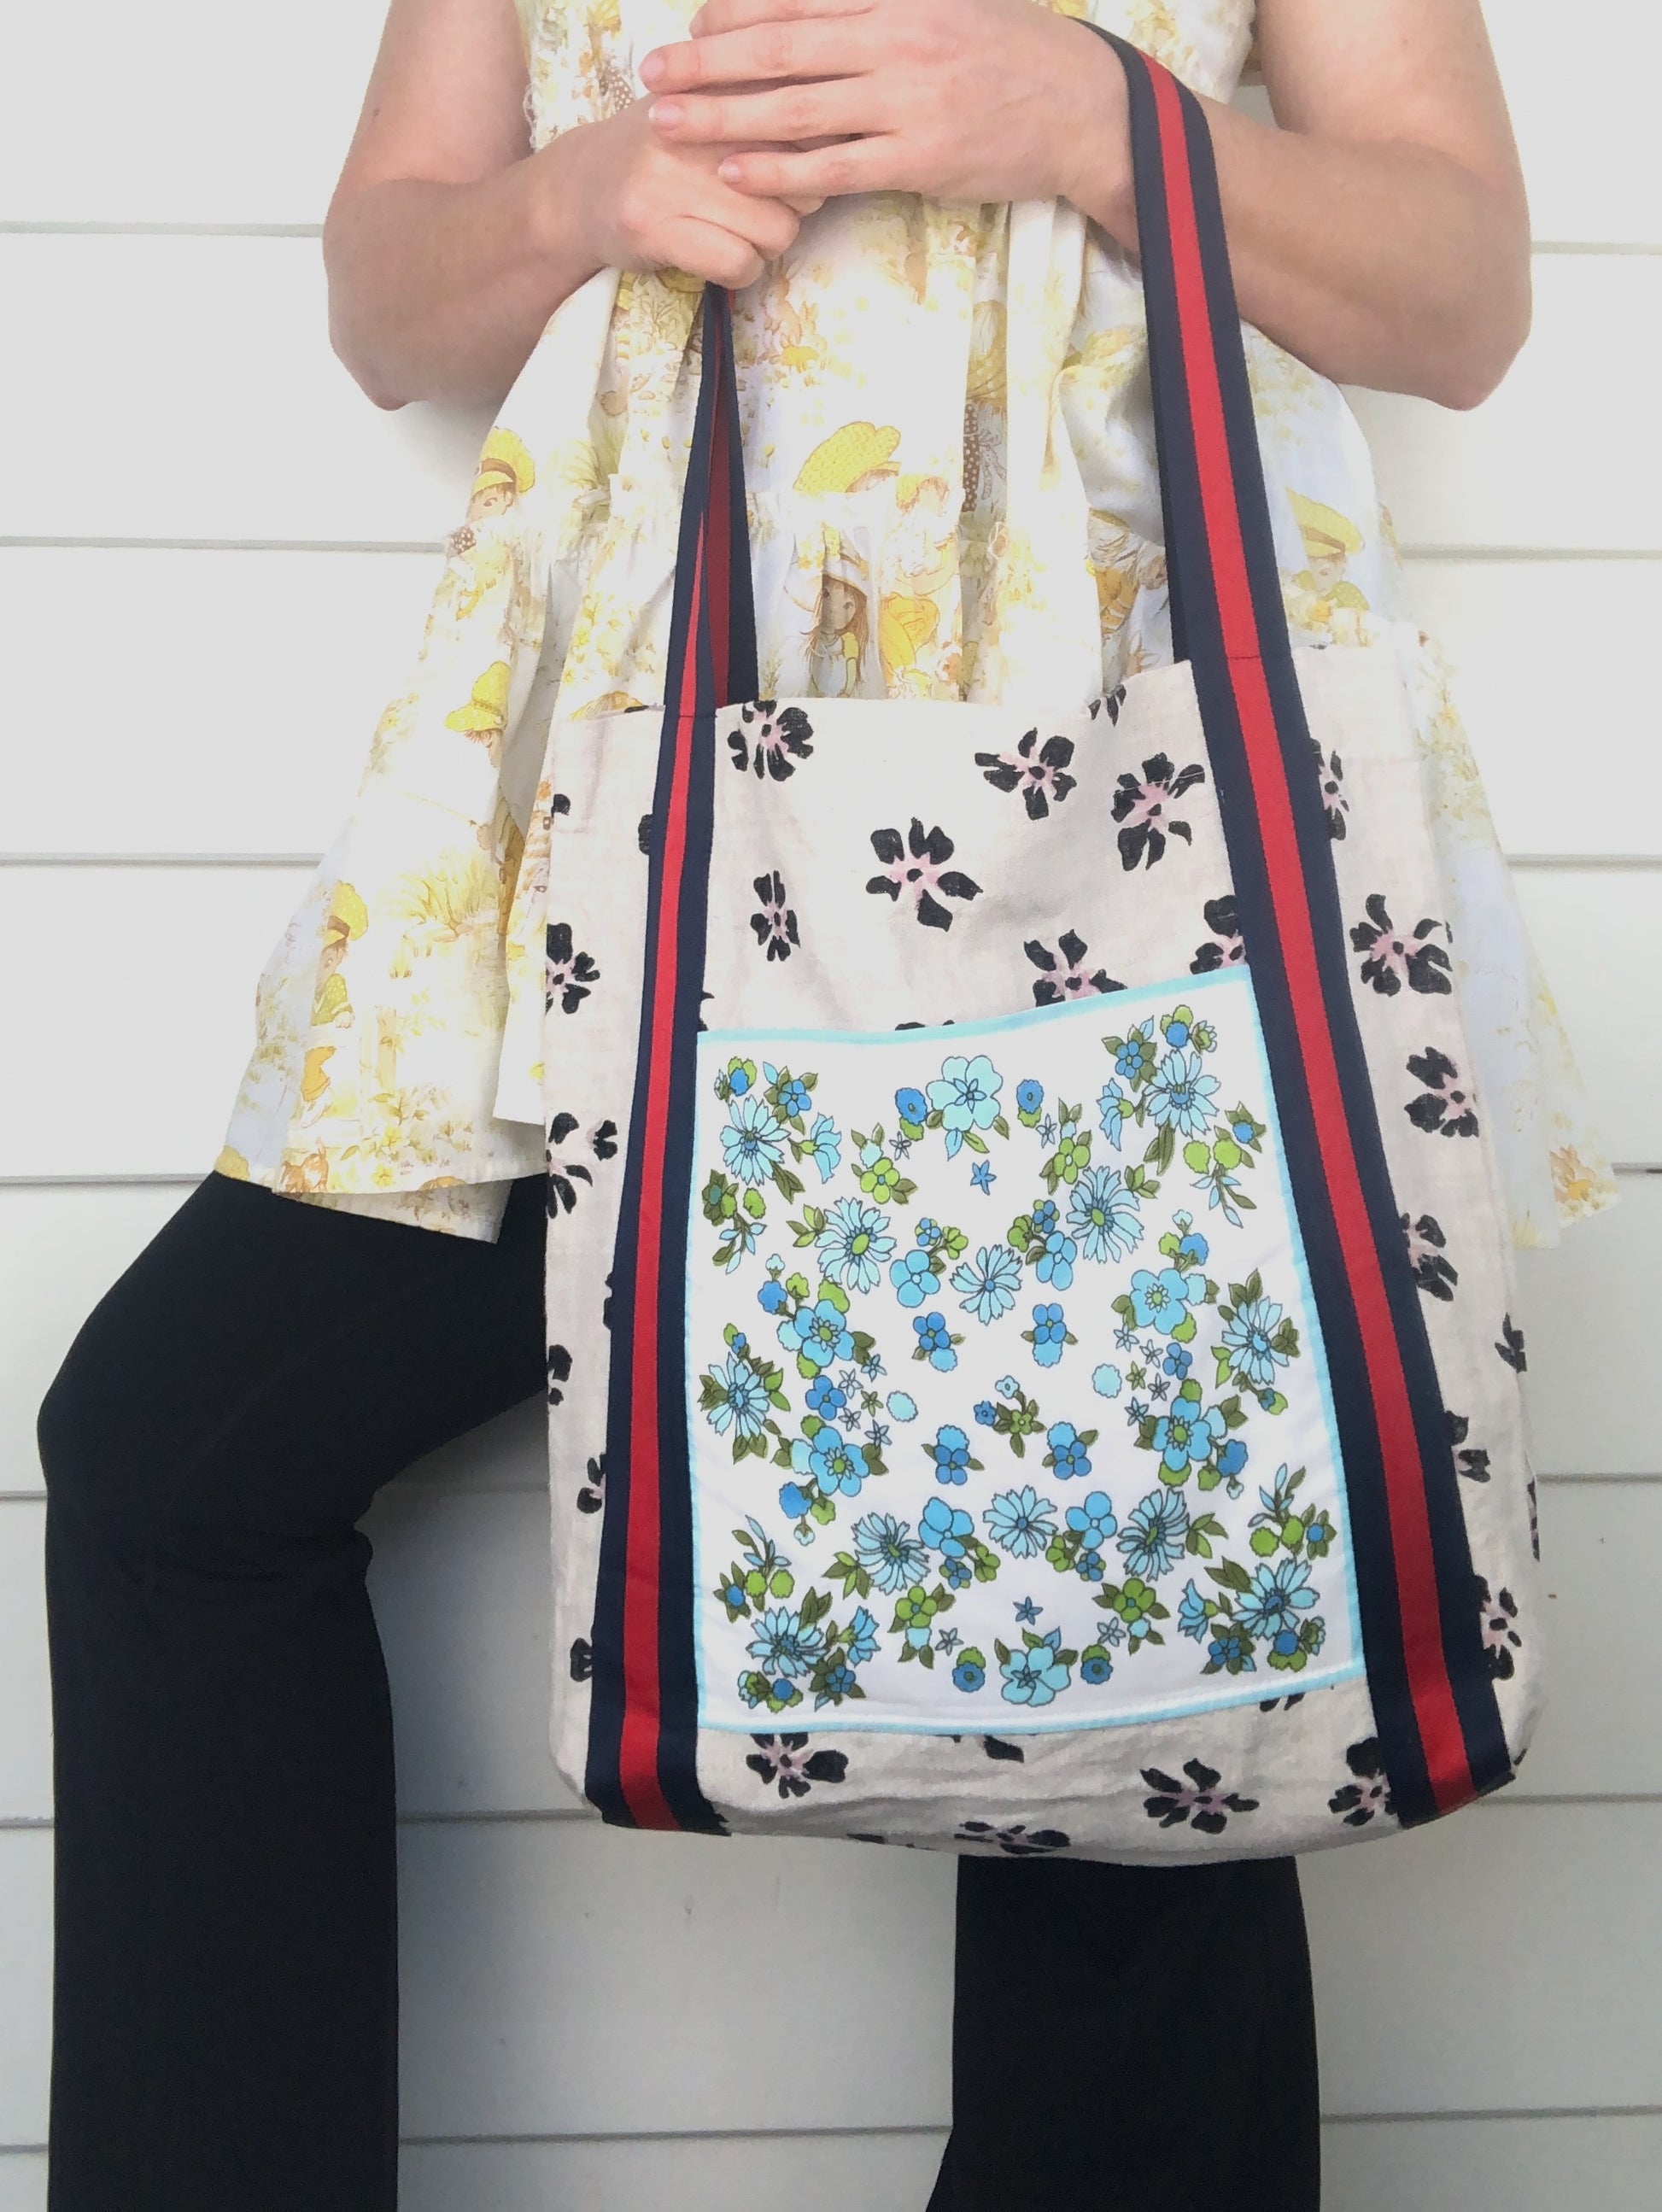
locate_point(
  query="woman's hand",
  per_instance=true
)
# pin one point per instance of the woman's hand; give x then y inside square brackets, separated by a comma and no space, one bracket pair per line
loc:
[639,200]
[957,99]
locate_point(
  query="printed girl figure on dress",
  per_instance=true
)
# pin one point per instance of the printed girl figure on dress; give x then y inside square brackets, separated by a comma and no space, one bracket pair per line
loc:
[1320,596]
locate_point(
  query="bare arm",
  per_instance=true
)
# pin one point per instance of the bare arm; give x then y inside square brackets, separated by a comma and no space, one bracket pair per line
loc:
[449,244]
[1380,234]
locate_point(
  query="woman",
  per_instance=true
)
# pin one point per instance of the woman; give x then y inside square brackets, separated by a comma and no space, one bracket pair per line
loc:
[925,211]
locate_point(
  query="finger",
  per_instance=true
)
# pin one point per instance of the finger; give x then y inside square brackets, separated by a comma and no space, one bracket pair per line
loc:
[769,224]
[760,53]
[848,165]
[721,256]
[848,108]
[717,16]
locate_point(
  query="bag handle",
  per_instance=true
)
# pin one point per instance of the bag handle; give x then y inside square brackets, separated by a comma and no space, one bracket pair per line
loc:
[1226,595]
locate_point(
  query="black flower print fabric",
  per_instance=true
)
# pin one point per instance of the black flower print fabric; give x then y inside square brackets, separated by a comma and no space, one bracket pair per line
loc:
[1143,806]
[1038,772]
[570,973]
[1199,1801]
[774,921]
[1367,1796]
[1395,957]
[785,1763]
[1063,974]
[916,872]
[1223,947]
[771,739]
[1444,1107]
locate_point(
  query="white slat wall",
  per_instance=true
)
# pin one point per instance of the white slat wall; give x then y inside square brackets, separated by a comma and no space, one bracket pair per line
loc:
[215,562]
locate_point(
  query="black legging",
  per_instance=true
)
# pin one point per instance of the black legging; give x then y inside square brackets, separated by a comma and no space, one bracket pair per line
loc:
[226,2030]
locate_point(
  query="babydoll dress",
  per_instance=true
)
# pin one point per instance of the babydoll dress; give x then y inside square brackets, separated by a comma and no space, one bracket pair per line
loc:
[949,457]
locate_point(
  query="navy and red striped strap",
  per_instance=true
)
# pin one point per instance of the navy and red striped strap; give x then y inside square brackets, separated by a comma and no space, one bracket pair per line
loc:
[1437,1717]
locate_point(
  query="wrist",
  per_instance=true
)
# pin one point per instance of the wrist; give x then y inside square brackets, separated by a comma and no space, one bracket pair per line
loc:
[1094,138]
[566,202]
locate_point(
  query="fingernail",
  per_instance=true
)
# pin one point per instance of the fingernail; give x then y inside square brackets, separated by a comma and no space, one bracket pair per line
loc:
[729,172]
[653,67]
[666,113]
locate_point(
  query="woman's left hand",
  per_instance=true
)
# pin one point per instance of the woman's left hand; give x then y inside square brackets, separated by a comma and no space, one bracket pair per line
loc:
[957,99]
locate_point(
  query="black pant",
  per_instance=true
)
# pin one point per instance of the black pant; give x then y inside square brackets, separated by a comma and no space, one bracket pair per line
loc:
[226,1985]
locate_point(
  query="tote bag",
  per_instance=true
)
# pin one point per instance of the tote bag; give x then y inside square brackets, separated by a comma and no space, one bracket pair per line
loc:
[1031,1362]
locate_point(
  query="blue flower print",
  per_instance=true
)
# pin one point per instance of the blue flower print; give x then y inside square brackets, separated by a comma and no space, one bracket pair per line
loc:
[853,1244]
[986,1414]
[913,1107]
[1180,1096]
[913,1278]
[934,1341]
[753,1142]
[839,1682]
[1068,1456]
[1033,1676]
[825,1146]
[1044,1217]
[981,1175]
[783,1645]
[817,1334]
[1193,1250]
[1161,1298]
[1049,1335]
[773,1297]
[1231,1457]
[1030,1096]
[826,1398]
[835,1464]
[1094,1519]
[951,1453]
[1178,1361]
[1114,1108]
[946,1527]
[1136,1056]
[1107,1381]
[990,1283]
[863,1637]
[1055,1265]
[1278,1595]
[1192,1615]
[1154,1535]
[1249,1341]
[889,1552]
[1019,1523]
[794,1501]
[1104,1215]
[795,1099]
[966,1095]
[1006,1387]
[1028,1609]
[1232,1649]
[1094,1665]
[901,1405]
[1186,1435]
[970,1674]
[741,1399]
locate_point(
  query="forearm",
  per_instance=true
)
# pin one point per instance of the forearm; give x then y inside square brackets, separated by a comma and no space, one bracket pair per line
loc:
[440,291]
[1379,265]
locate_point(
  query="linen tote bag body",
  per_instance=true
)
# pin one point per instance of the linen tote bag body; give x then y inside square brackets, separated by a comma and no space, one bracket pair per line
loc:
[1031,1354]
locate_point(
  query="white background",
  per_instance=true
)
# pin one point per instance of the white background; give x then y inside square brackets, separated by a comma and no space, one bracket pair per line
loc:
[217,565]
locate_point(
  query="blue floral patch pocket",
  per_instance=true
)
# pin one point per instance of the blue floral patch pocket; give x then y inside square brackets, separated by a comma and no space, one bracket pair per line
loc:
[1012,1410]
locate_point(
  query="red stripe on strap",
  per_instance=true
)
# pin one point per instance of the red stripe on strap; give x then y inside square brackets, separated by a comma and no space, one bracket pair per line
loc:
[1433,1696]
[637,1751]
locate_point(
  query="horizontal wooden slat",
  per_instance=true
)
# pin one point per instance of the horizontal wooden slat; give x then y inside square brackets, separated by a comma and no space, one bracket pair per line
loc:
[460,1582]
[129,949]
[1587,1310]
[26,1979]
[559,1978]
[1593,931]
[232,419]
[1572,764]
[209,115]
[221,414]
[1511,2164]
[258,678]
[1608,2164]
[228,707]
[1479,479]
[205,114]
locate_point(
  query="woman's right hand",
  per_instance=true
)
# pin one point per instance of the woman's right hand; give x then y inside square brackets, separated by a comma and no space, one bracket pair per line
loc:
[641,202]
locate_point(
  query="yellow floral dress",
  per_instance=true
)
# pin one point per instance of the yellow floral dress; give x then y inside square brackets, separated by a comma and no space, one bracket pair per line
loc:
[953,492]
